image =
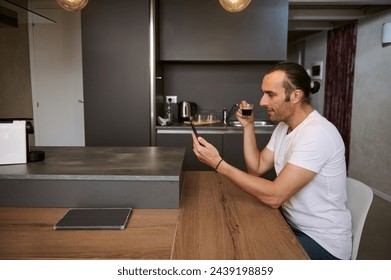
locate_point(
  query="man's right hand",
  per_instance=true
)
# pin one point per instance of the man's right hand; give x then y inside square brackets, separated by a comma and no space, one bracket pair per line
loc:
[246,121]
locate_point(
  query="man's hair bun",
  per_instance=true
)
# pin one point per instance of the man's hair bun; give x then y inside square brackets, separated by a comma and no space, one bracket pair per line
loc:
[315,86]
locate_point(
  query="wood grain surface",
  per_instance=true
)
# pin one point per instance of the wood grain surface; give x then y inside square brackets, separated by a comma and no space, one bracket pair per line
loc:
[216,220]
[27,233]
[202,122]
[220,221]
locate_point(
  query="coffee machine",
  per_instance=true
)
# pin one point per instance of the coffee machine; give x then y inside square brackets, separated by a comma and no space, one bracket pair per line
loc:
[14,142]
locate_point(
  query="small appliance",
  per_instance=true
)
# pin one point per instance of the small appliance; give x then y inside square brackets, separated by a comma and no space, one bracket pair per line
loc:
[187,109]
[14,144]
[13,148]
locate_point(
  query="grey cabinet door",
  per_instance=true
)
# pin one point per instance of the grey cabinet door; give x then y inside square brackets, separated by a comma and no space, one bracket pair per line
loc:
[115,43]
[201,30]
[233,151]
[190,162]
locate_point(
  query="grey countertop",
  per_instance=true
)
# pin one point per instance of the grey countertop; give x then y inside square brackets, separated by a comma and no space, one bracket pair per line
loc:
[216,128]
[101,163]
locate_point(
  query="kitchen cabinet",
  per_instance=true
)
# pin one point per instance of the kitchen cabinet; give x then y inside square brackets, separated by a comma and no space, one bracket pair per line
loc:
[228,142]
[233,151]
[201,30]
[190,161]
[115,38]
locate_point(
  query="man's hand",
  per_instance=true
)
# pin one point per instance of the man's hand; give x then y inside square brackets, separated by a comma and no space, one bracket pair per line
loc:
[205,152]
[244,120]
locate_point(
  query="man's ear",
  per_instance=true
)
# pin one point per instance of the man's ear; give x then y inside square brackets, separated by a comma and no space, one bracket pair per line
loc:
[297,95]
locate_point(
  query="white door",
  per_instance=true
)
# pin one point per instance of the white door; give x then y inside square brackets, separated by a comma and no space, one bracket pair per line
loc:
[56,71]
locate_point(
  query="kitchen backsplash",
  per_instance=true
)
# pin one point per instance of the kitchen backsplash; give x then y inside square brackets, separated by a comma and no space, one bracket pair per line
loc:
[215,86]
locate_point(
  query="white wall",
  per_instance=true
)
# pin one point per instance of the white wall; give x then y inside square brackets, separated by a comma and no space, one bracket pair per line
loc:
[316,50]
[56,75]
[305,52]
[370,154]
[370,144]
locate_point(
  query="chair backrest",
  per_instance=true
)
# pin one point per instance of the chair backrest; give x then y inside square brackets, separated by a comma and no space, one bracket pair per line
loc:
[359,200]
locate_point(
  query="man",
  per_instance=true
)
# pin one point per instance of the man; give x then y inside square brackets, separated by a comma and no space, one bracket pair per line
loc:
[307,153]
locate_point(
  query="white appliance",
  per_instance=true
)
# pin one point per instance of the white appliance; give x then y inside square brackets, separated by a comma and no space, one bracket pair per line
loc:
[13,146]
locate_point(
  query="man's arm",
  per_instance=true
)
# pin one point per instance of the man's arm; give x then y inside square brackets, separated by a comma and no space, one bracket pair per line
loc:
[291,179]
[257,162]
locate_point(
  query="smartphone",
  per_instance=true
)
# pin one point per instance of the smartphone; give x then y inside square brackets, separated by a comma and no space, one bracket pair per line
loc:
[195,131]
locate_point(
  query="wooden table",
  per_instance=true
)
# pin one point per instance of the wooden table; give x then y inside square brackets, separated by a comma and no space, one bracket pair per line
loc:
[220,221]
[216,221]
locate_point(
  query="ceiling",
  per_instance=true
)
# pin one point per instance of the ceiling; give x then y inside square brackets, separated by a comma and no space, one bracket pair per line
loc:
[309,17]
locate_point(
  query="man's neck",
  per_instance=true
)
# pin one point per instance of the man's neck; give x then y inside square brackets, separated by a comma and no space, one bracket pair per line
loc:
[300,115]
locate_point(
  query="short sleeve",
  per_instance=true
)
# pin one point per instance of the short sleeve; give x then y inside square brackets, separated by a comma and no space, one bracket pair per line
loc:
[312,149]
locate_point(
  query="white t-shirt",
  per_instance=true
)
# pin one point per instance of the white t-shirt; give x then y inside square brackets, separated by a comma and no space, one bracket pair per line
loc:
[319,209]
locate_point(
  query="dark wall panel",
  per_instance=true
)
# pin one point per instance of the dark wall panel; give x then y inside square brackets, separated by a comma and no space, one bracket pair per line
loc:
[115,38]
[216,86]
[201,30]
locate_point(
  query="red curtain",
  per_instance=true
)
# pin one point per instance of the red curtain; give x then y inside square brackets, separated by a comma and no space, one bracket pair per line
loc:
[341,53]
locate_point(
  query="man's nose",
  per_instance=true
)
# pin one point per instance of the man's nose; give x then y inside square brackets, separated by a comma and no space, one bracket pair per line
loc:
[264,101]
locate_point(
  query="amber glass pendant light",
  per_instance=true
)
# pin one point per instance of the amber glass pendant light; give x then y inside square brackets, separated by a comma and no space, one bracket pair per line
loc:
[72,5]
[234,5]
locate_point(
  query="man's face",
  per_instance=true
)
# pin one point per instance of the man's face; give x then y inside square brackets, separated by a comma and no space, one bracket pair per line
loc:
[274,97]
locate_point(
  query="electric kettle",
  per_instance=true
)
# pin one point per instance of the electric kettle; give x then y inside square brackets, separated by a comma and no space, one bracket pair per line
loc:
[186,110]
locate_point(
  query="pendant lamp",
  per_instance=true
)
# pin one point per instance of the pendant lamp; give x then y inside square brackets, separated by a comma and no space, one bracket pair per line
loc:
[72,5]
[234,5]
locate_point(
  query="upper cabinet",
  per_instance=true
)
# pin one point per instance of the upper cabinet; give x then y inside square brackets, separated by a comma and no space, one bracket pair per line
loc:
[201,30]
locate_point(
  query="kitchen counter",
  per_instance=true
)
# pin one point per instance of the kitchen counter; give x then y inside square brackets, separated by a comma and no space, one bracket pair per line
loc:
[215,221]
[100,163]
[145,177]
[215,128]
[228,140]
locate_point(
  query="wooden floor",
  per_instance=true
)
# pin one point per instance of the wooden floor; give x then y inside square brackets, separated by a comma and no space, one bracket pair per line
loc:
[216,221]
[375,241]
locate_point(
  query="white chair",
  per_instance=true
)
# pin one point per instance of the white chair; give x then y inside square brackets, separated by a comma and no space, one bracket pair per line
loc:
[359,200]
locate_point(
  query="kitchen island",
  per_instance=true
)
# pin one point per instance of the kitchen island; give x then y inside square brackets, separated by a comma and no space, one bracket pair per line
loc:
[216,220]
[139,177]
